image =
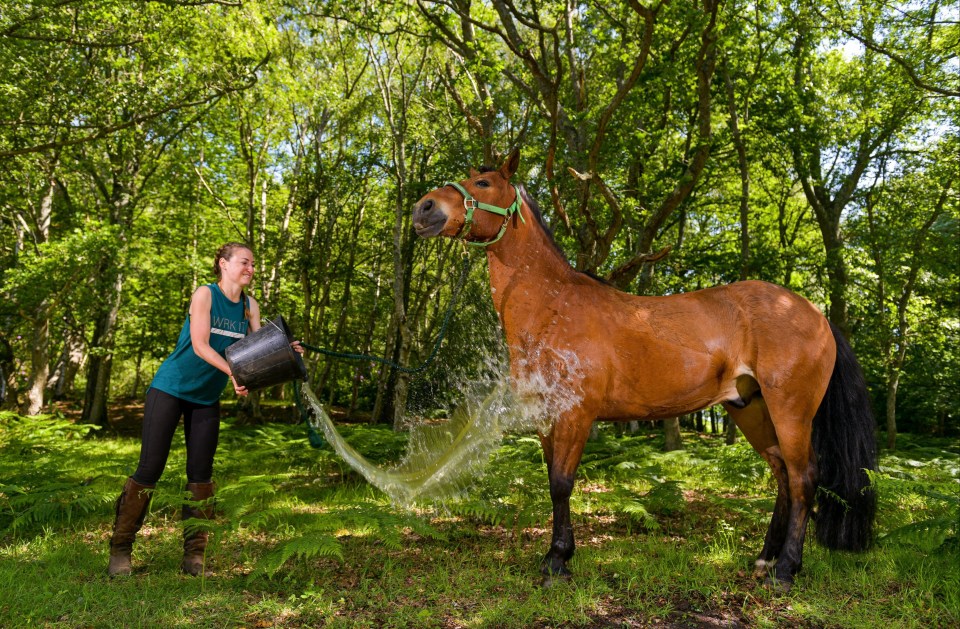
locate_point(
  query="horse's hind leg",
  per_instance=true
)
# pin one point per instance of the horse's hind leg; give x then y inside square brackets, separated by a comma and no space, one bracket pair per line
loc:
[802,477]
[777,531]
[754,421]
[792,416]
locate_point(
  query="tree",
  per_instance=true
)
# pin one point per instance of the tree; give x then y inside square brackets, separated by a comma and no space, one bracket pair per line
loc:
[845,115]
[61,43]
[131,80]
[771,140]
[900,213]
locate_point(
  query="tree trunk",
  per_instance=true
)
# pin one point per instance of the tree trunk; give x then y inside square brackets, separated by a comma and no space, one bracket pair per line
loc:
[893,383]
[367,346]
[730,435]
[594,432]
[39,363]
[897,339]
[344,297]
[8,396]
[101,358]
[671,435]
[734,124]
[40,348]
[249,411]
[68,365]
[837,280]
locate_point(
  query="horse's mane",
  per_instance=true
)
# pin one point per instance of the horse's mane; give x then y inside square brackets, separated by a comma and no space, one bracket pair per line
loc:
[535,209]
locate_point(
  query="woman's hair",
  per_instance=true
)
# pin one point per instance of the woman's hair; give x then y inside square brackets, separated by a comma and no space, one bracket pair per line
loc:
[225,253]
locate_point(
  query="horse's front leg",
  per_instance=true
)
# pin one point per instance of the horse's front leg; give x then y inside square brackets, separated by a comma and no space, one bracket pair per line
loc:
[562,450]
[562,544]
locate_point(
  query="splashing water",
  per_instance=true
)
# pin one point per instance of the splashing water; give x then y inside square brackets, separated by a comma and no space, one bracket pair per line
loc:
[445,458]
[442,459]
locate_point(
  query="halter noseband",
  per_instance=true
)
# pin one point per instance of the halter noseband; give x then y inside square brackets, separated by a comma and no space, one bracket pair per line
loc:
[471,204]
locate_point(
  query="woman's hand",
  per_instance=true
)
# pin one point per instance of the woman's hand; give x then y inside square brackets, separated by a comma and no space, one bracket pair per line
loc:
[297,347]
[241,391]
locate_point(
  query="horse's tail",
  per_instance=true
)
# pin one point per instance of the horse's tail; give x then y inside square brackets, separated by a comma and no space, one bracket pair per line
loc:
[845,446]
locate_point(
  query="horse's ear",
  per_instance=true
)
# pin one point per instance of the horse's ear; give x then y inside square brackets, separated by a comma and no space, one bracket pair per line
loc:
[474,173]
[511,164]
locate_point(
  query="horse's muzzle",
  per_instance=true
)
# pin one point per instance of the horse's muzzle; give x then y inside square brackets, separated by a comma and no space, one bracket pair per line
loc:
[428,219]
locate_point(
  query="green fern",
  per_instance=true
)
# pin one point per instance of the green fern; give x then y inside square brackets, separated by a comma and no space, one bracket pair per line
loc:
[316,534]
[932,515]
[666,498]
[638,514]
[303,547]
[739,465]
[55,503]
[928,535]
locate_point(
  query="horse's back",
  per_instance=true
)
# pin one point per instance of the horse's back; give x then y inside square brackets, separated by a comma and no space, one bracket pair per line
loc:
[778,317]
[755,328]
[747,309]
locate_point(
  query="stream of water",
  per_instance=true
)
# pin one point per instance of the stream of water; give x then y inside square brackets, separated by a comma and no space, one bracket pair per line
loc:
[444,458]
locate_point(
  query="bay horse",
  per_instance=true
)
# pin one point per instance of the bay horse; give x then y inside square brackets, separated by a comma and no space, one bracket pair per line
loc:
[786,376]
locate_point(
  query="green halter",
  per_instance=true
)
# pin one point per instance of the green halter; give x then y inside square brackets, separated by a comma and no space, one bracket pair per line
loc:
[472,204]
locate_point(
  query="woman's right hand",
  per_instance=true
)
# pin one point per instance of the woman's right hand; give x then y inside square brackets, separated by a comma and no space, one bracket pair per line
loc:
[239,390]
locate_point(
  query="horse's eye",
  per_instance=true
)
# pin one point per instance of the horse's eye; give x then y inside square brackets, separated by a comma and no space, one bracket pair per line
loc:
[483,183]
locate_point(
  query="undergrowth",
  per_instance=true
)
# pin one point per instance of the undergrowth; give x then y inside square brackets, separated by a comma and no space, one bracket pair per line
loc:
[301,540]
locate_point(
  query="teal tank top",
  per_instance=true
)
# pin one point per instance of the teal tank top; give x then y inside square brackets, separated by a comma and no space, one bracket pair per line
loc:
[187,376]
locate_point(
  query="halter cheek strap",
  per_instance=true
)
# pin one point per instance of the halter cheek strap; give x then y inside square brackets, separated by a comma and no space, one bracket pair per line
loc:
[471,205]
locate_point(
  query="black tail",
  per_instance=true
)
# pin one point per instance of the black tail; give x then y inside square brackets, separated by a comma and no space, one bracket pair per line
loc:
[845,445]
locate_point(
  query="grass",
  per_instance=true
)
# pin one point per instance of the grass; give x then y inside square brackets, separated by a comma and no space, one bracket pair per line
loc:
[302,541]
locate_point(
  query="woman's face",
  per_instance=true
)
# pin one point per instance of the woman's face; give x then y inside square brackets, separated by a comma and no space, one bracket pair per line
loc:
[239,267]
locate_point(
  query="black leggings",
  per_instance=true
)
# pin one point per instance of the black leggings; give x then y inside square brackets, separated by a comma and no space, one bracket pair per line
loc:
[201,427]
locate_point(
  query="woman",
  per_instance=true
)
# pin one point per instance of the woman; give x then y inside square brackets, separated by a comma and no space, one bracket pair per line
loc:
[189,384]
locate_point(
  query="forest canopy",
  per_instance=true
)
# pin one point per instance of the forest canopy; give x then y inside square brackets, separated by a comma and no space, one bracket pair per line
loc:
[809,144]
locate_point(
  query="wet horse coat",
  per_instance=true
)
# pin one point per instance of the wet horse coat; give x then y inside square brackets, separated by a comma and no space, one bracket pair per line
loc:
[765,353]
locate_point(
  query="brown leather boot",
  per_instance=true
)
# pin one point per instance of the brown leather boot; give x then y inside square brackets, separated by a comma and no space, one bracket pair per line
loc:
[194,539]
[131,509]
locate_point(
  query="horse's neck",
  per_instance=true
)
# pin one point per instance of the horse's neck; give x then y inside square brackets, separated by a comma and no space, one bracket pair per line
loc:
[525,266]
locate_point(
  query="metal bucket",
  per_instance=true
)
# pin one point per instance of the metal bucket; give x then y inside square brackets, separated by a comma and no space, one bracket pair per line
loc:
[265,358]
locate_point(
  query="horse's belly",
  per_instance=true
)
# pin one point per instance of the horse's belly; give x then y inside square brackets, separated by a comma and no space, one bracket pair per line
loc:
[669,391]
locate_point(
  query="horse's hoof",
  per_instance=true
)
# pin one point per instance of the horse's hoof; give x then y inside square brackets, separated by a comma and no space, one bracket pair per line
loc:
[779,586]
[549,580]
[553,571]
[763,569]
[549,569]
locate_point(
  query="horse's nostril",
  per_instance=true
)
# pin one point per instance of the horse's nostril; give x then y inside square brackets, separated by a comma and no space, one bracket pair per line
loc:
[426,206]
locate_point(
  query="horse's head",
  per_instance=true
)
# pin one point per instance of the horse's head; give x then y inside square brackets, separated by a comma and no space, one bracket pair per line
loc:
[477,209]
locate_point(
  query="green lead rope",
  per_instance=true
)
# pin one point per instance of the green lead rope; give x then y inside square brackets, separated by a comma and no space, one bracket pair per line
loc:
[316,439]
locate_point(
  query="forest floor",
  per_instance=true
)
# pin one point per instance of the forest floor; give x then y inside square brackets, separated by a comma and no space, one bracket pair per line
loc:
[301,540]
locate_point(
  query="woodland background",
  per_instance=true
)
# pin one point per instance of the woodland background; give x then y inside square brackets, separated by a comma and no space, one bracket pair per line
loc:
[811,144]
